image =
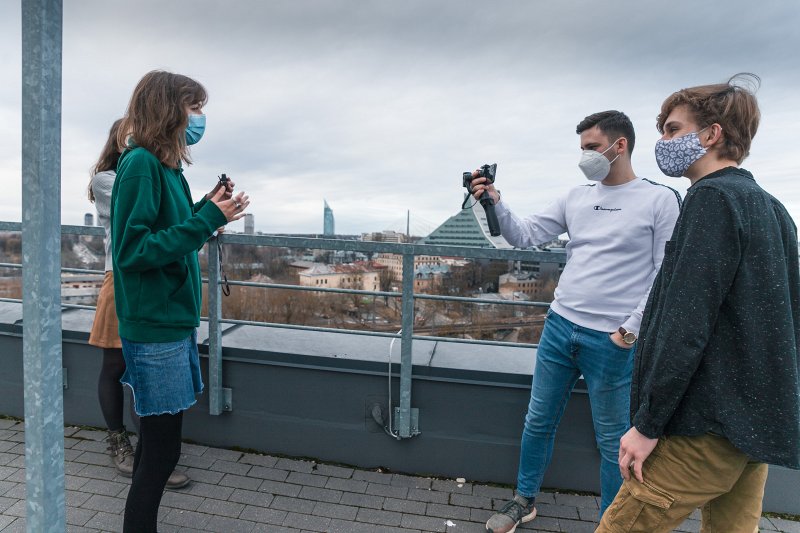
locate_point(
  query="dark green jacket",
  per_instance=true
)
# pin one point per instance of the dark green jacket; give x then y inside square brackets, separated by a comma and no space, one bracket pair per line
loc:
[718,347]
[156,231]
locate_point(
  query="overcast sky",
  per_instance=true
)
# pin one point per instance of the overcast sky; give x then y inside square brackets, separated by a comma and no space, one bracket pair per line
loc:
[378,106]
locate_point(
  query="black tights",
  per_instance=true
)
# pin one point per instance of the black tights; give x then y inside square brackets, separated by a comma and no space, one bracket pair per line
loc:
[110,391]
[157,453]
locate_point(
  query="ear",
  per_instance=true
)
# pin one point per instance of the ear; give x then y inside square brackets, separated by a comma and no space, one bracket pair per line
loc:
[713,135]
[622,146]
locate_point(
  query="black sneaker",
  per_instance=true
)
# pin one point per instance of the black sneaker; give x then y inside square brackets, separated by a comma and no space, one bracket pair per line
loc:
[516,512]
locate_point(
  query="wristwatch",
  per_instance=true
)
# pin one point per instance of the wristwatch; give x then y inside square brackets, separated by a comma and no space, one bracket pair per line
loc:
[628,337]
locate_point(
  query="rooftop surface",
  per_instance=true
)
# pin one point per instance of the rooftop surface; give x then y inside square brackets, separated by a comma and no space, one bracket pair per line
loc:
[233,491]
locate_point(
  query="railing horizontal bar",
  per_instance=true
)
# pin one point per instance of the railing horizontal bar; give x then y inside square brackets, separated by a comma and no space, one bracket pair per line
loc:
[309,328]
[306,288]
[479,300]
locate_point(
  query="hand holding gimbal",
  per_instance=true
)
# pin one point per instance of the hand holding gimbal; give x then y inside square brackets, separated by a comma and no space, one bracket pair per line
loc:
[489,172]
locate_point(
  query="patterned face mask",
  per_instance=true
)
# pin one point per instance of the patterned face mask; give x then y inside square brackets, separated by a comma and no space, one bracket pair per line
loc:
[675,156]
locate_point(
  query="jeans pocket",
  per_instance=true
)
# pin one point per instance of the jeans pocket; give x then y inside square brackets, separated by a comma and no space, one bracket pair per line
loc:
[639,507]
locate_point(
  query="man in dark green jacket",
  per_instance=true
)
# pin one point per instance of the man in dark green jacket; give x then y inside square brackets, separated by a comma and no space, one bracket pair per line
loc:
[715,393]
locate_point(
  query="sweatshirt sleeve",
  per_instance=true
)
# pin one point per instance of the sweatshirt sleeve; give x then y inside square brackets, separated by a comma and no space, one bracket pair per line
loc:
[707,251]
[136,246]
[665,215]
[534,229]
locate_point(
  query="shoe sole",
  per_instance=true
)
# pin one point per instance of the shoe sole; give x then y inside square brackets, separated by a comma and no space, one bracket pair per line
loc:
[523,520]
[178,486]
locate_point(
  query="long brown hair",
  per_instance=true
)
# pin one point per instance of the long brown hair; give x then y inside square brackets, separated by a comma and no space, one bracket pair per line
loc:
[109,156]
[156,119]
[732,105]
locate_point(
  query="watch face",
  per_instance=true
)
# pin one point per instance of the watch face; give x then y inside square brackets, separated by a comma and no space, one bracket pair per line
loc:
[629,338]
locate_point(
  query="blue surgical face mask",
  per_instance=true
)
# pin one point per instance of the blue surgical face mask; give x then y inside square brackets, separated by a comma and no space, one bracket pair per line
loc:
[675,156]
[195,128]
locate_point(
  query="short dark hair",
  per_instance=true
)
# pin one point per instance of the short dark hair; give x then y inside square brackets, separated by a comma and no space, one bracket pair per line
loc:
[732,105]
[612,123]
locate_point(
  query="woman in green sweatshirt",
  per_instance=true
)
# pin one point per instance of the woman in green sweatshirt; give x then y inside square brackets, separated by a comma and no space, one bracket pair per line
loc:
[156,232]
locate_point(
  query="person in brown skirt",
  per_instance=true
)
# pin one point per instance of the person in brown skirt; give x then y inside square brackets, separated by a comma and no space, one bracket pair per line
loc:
[105,332]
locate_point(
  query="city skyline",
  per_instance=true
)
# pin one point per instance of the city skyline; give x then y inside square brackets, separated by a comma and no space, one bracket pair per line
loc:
[379,107]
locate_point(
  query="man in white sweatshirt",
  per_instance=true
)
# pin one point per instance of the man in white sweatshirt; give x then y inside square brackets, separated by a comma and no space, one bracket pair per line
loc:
[617,225]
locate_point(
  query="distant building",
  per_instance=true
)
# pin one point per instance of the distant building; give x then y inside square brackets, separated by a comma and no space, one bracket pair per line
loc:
[394,262]
[80,288]
[531,284]
[363,276]
[88,219]
[249,224]
[385,236]
[468,227]
[328,229]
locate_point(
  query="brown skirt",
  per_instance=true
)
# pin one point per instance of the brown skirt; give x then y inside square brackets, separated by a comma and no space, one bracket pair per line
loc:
[105,329]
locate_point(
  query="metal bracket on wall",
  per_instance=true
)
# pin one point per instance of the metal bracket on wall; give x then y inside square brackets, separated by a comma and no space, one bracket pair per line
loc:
[414,421]
[64,377]
[227,399]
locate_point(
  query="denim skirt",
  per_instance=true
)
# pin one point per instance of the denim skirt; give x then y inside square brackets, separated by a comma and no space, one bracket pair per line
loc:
[164,376]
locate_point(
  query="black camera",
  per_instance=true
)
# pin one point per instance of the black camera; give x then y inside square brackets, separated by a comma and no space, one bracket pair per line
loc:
[489,172]
[224,179]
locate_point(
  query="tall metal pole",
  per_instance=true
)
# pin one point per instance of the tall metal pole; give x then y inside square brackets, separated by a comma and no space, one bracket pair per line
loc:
[215,396]
[41,264]
[404,414]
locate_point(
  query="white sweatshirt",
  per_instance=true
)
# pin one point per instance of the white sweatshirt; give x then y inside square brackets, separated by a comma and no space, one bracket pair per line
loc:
[102,183]
[616,244]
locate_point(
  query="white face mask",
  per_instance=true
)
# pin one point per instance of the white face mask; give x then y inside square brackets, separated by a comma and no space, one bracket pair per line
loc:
[594,164]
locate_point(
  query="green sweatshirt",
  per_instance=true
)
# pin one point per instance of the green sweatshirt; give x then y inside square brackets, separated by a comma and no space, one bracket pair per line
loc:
[156,232]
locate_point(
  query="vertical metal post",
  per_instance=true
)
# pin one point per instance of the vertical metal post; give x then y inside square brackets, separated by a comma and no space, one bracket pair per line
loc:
[215,395]
[404,415]
[41,264]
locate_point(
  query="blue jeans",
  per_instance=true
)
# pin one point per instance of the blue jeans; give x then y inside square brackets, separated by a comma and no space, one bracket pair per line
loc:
[567,351]
[164,376]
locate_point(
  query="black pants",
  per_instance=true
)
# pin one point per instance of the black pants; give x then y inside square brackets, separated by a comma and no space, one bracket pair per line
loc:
[157,453]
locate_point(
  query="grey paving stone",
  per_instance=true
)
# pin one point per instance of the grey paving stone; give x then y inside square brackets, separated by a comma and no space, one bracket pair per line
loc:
[204,476]
[5,486]
[557,511]
[399,480]
[92,458]
[180,500]
[546,497]
[193,449]
[107,504]
[105,521]
[70,430]
[269,528]
[278,487]
[17,525]
[295,466]
[251,497]
[449,485]
[500,493]
[387,490]
[71,455]
[196,461]
[240,482]
[6,423]
[228,525]
[183,518]
[373,477]
[5,503]
[73,498]
[88,446]
[100,486]
[362,500]
[17,462]
[90,434]
[293,505]
[404,506]
[78,517]
[785,526]
[300,478]
[263,472]
[260,515]
[459,526]
[480,515]
[7,471]
[377,516]
[6,520]
[575,526]
[222,453]
[689,526]
[542,523]
[16,509]
[231,467]
[333,471]
[426,495]
[316,494]
[333,510]
[575,500]
[348,485]
[207,490]
[16,491]
[258,460]
[6,445]
[6,458]
[448,511]
[307,522]
[426,523]
[465,500]
[222,508]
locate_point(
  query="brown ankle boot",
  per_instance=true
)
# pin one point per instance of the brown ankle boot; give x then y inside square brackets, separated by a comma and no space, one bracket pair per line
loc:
[121,451]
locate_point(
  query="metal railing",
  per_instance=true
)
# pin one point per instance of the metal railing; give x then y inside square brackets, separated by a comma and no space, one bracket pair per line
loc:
[220,397]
